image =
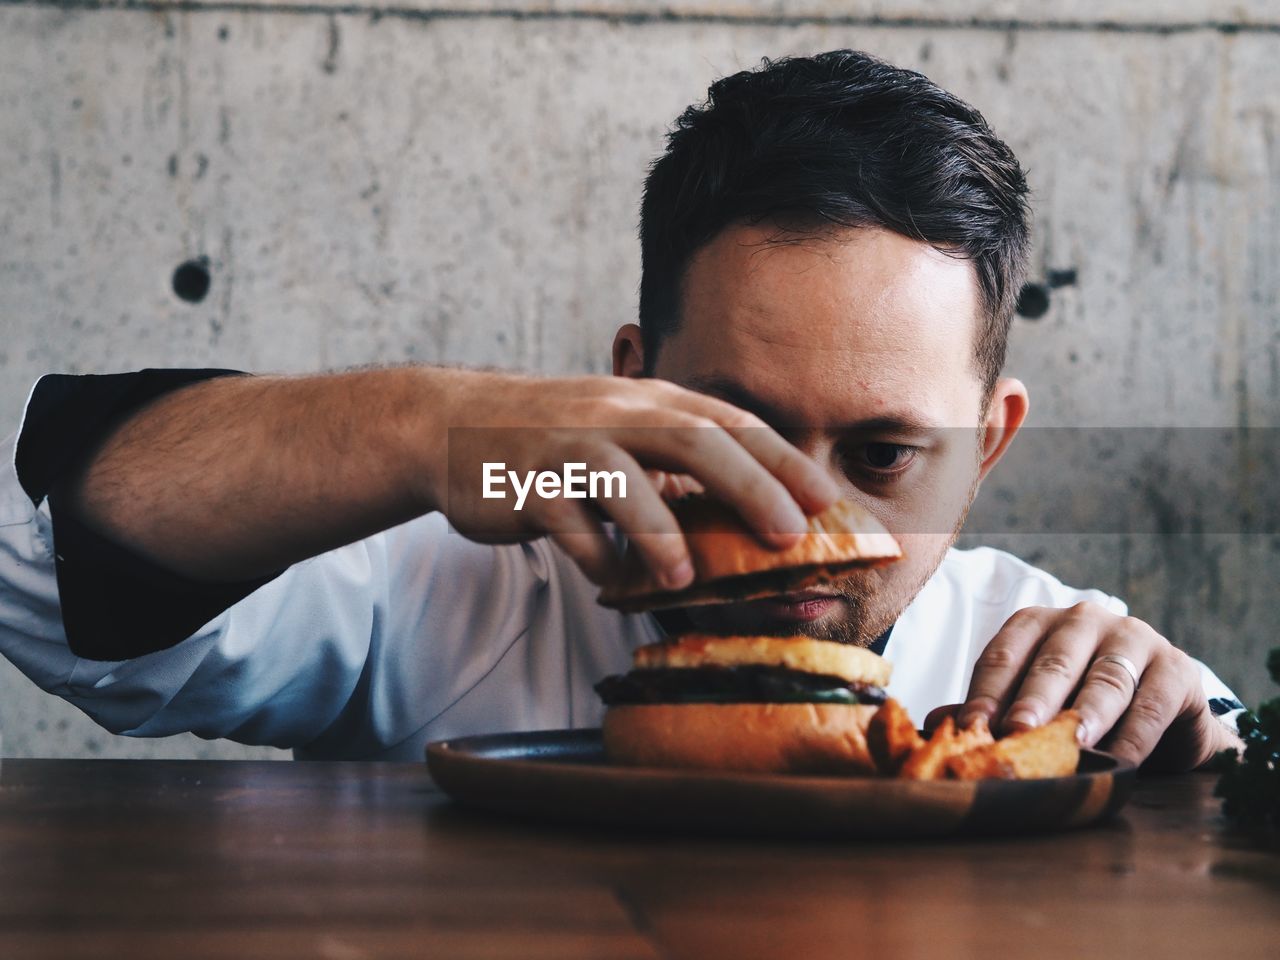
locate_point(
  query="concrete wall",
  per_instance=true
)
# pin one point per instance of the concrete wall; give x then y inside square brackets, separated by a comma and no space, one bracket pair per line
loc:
[460,185]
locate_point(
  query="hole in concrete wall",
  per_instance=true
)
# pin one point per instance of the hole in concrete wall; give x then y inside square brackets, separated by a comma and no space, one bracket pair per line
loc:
[1062,278]
[191,280]
[1033,301]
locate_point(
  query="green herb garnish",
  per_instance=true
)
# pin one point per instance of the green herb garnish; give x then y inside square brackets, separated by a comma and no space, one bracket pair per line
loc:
[1250,782]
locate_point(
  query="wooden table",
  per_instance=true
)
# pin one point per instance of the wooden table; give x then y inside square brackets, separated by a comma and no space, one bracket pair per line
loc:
[340,861]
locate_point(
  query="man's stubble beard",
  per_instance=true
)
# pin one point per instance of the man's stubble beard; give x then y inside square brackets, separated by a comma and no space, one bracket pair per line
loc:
[873,602]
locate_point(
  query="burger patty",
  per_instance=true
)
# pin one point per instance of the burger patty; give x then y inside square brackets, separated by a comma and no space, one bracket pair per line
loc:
[746,684]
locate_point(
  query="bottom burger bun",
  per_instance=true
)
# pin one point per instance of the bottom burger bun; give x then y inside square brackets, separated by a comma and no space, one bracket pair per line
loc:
[744,737]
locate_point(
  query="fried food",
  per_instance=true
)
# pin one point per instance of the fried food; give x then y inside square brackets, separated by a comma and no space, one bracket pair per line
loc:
[1047,751]
[929,761]
[892,737]
[971,753]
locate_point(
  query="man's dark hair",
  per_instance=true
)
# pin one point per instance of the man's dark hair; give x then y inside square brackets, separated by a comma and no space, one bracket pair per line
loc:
[844,139]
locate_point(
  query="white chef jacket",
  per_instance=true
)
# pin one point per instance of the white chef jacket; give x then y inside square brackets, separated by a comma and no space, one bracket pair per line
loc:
[416,634]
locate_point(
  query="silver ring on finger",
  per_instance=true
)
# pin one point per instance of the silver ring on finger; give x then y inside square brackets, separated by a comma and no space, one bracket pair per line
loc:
[1123,662]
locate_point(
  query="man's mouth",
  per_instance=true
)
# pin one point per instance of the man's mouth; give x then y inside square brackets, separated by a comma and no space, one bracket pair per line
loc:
[802,606]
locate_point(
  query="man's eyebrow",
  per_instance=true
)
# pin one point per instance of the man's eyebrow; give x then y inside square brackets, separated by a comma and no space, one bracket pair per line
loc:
[904,422]
[733,392]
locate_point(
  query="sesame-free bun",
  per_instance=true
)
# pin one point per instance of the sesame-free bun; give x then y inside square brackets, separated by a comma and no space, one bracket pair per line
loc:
[814,738]
[804,654]
[730,564]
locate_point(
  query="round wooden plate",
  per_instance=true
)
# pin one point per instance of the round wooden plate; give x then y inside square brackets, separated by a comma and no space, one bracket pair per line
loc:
[563,775]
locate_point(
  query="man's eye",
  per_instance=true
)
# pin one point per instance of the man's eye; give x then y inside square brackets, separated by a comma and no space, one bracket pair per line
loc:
[884,458]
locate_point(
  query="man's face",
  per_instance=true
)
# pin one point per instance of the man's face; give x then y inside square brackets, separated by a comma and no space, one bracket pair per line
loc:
[857,346]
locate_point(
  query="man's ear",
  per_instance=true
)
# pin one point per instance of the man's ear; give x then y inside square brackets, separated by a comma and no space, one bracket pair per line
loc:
[1006,412]
[628,351]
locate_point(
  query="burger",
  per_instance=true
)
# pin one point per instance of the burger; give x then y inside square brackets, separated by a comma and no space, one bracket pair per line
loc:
[730,564]
[761,704]
[755,704]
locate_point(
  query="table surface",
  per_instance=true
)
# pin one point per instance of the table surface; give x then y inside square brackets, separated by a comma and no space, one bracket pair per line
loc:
[343,861]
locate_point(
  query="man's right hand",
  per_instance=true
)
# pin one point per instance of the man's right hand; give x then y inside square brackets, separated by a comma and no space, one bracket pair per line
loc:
[654,432]
[235,478]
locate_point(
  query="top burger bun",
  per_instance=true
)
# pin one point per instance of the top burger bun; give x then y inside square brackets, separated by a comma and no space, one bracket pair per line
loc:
[730,564]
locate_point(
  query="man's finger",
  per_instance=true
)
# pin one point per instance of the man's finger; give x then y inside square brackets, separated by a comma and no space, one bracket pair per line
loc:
[808,484]
[1108,689]
[644,517]
[583,538]
[1154,706]
[813,489]
[938,714]
[729,473]
[996,674]
[1055,670]
[673,486]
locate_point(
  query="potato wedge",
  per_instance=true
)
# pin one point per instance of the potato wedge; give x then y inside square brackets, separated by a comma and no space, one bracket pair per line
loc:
[929,761]
[1047,751]
[892,737]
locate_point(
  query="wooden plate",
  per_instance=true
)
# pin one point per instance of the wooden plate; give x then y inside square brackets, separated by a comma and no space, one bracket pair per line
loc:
[563,775]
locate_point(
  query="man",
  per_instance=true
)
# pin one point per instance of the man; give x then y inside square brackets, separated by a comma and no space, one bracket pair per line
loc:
[832,248]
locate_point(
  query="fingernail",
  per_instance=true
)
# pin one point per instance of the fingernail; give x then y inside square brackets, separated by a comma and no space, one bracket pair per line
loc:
[821,489]
[788,521]
[1022,717]
[1084,734]
[679,576]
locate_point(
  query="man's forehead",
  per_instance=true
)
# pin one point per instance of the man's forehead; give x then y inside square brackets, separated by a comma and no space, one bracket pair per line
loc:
[862,324]
[857,274]
[902,419]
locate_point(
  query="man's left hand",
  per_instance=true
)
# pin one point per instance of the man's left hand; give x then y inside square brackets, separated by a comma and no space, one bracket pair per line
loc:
[1045,659]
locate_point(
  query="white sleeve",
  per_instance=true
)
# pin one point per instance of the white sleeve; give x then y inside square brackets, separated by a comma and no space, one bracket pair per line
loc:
[1226,706]
[275,669]
[319,657]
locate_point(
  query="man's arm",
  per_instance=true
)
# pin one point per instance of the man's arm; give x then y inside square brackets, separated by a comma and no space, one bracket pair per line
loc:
[233,479]
[238,477]
[346,656]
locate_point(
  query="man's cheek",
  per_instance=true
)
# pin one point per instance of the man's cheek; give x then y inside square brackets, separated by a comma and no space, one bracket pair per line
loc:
[932,504]
[924,512]
[921,555]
